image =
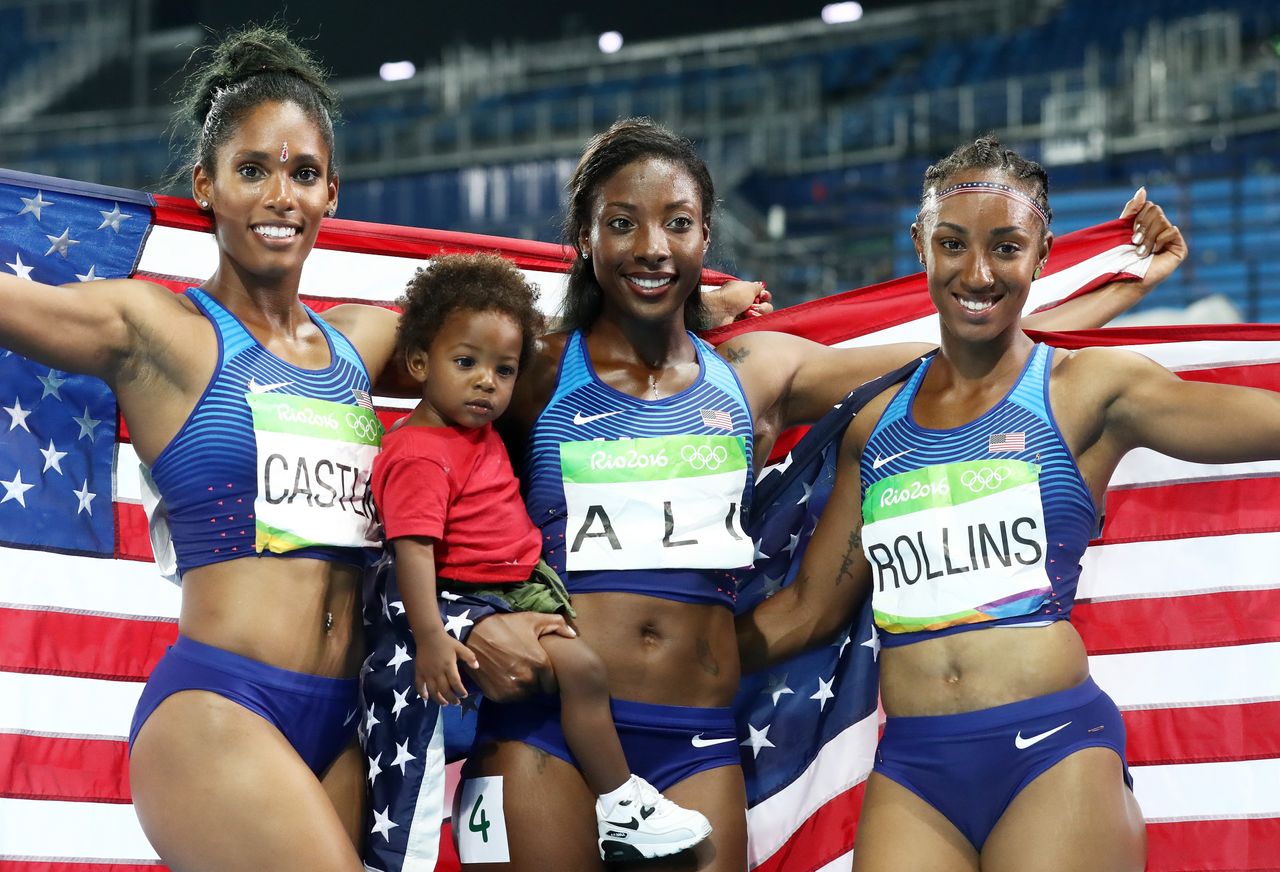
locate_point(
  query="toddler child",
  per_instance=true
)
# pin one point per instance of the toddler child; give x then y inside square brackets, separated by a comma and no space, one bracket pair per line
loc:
[451,511]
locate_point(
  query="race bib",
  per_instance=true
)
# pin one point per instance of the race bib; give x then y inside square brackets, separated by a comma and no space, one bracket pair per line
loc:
[955,543]
[668,502]
[314,459]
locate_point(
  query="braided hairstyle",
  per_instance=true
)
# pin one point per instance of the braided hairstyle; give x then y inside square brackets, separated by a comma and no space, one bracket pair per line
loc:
[466,283]
[985,153]
[247,68]
[626,141]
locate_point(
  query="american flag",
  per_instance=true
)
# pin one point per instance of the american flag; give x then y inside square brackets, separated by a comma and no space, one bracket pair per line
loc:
[1007,442]
[717,418]
[1180,601]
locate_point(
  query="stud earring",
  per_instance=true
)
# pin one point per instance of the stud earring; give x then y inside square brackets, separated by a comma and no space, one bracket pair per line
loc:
[330,212]
[204,204]
[1035,275]
[586,255]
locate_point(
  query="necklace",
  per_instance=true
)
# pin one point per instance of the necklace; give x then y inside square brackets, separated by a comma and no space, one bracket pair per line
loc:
[653,386]
[328,621]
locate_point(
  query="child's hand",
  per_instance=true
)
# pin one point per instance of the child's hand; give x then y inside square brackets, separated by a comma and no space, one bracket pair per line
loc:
[436,669]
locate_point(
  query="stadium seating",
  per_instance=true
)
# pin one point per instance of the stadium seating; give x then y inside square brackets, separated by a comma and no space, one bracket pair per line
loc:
[832,132]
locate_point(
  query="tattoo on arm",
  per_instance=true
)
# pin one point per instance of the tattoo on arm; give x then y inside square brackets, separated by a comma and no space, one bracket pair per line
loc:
[735,356]
[847,561]
[706,659]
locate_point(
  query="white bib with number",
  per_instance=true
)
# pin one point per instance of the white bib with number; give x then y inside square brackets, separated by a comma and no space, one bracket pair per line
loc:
[314,460]
[667,502]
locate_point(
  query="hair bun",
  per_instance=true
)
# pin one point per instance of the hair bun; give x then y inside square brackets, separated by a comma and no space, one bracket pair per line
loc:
[246,69]
[243,54]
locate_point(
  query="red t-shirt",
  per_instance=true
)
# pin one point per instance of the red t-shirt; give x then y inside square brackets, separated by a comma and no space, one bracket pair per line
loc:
[456,485]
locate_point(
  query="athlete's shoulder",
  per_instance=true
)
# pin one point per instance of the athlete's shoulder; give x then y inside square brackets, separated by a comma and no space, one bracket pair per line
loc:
[1100,367]
[535,387]
[550,347]
[143,297]
[866,419]
[359,321]
[761,342]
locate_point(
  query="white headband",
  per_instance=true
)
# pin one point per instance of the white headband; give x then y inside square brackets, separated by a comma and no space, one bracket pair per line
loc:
[993,188]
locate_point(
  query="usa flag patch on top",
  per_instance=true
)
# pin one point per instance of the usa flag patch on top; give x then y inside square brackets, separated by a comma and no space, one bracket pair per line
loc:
[716,418]
[1007,442]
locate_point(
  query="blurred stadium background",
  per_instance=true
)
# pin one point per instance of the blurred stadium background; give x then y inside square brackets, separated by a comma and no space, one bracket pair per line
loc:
[817,131]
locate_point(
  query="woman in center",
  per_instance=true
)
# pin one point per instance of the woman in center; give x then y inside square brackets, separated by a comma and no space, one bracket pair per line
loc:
[642,444]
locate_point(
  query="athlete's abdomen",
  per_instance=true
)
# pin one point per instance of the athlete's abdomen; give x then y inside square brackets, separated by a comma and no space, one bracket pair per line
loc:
[661,651]
[296,613]
[981,669]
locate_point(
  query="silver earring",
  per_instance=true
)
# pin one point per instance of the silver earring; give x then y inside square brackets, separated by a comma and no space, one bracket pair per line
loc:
[204,204]
[329,213]
[586,255]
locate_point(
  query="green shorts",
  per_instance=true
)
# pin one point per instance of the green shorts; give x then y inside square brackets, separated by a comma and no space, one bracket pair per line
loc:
[543,592]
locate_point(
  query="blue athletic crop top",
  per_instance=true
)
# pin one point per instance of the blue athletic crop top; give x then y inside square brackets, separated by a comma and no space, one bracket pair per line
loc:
[643,496]
[274,459]
[978,526]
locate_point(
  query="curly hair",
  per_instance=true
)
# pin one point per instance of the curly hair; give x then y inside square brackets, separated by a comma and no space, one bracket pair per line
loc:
[245,69]
[987,153]
[470,283]
[626,141]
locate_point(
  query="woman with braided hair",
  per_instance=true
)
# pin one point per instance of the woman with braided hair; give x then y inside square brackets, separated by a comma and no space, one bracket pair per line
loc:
[972,489]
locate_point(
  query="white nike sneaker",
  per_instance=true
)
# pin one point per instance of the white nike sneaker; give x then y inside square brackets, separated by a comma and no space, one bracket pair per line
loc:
[646,825]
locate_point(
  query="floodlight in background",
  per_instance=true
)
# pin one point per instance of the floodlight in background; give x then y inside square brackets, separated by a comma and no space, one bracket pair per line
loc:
[610,41]
[840,13]
[395,71]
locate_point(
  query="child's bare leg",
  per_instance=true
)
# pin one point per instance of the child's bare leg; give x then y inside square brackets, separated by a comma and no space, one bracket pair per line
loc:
[584,713]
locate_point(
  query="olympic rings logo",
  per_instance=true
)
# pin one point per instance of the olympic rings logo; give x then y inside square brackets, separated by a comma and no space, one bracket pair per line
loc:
[704,457]
[365,427]
[985,479]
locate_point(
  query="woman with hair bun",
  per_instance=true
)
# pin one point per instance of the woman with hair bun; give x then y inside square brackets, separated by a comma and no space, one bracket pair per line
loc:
[242,747]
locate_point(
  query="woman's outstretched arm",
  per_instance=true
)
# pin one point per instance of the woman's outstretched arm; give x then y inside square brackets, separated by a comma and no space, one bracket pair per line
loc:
[1150,407]
[90,328]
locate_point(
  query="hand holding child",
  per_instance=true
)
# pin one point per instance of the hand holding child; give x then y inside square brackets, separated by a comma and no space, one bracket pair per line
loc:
[436,668]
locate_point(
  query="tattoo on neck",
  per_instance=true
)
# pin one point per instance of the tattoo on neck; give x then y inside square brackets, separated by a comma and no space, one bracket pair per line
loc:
[735,356]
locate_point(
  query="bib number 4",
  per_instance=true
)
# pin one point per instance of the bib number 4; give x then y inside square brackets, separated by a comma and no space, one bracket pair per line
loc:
[483,839]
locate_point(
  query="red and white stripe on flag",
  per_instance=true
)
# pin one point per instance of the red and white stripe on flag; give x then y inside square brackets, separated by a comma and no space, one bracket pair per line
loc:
[1179,601]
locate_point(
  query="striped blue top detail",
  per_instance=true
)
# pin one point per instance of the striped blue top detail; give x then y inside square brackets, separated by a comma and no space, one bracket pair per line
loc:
[207,475]
[901,445]
[581,394]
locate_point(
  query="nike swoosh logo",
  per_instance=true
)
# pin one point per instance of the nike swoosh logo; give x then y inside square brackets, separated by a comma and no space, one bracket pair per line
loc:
[255,388]
[632,824]
[1022,743]
[881,461]
[699,742]
[579,419]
